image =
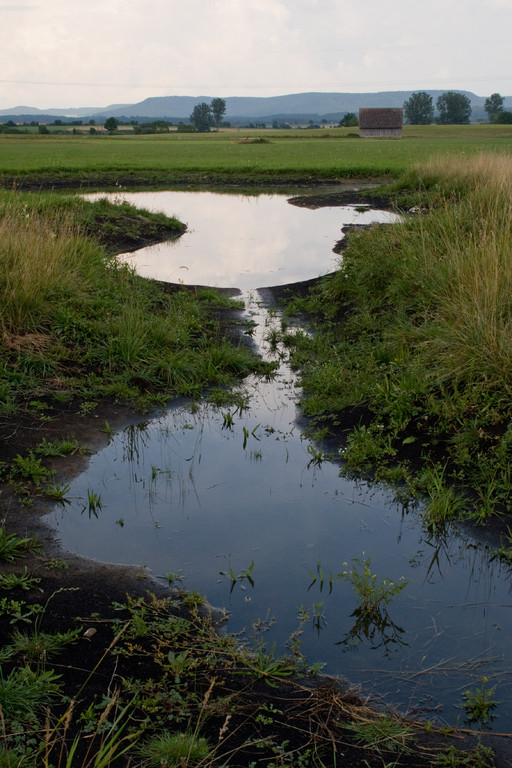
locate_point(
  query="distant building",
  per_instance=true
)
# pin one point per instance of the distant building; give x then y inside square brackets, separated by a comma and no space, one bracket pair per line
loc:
[382,122]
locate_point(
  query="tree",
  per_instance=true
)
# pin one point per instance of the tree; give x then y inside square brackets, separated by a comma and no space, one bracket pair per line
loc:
[454,108]
[419,109]
[493,106]
[349,120]
[218,108]
[111,125]
[201,117]
[503,117]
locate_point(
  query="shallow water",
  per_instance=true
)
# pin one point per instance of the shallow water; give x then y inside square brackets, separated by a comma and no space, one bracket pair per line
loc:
[243,241]
[207,490]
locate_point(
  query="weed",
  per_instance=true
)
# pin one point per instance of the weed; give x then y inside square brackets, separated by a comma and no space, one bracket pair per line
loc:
[57,492]
[38,646]
[65,447]
[13,547]
[55,562]
[174,576]
[479,757]
[30,468]
[317,456]
[266,666]
[479,703]
[381,734]
[240,577]
[373,595]
[174,750]
[93,503]
[18,581]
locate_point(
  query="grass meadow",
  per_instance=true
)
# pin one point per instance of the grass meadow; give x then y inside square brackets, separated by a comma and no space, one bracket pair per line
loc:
[327,153]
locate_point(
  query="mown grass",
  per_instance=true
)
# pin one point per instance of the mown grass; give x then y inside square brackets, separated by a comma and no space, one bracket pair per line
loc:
[415,332]
[290,154]
[75,322]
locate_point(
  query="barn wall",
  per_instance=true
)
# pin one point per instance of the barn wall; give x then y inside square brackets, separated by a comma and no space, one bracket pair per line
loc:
[372,133]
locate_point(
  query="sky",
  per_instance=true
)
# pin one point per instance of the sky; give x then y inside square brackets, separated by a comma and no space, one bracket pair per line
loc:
[96,53]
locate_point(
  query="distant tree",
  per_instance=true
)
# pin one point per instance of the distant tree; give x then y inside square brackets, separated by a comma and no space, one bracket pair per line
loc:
[349,120]
[92,122]
[111,124]
[503,117]
[419,109]
[201,117]
[454,108]
[185,128]
[493,106]
[218,108]
[42,128]
[92,130]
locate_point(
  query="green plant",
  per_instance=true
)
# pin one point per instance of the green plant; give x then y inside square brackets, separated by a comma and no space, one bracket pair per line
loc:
[266,666]
[18,580]
[381,734]
[38,646]
[19,610]
[240,577]
[93,503]
[479,703]
[25,694]
[373,595]
[57,492]
[479,757]
[64,447]
[13,546]
[174,750]
[30,468]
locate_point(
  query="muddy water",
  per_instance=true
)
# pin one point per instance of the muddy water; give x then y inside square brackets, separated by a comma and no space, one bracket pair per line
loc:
[218,495]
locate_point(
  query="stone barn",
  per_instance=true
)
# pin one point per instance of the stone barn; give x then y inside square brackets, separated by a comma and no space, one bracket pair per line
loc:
[381,122]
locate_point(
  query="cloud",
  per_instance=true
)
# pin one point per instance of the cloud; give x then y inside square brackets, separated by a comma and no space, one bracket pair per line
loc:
[111,51]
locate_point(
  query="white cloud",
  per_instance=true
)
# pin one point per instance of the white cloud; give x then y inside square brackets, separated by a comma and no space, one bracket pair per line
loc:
[105,51]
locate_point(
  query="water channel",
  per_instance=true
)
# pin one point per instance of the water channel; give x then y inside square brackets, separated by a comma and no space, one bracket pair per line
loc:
[207,491]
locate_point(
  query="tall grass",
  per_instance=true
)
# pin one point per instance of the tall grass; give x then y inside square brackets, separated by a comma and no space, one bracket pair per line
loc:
[42,261]
[456,274]
[73,319]
[424,343]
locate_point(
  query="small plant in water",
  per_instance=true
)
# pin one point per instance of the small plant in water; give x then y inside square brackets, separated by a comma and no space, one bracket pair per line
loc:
[93,503]
[373,595]
[479,703]
[243,575]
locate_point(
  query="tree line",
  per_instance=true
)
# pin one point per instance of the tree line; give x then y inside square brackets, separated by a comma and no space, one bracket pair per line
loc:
[453,108]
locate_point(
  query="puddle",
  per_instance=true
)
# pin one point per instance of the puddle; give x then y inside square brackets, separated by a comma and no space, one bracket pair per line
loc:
[241,504]
[242,241]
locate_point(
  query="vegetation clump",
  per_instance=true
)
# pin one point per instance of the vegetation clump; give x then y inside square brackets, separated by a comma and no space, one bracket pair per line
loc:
[413,342]
[75,321]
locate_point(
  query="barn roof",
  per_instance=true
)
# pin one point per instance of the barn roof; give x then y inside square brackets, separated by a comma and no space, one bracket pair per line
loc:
[381,117]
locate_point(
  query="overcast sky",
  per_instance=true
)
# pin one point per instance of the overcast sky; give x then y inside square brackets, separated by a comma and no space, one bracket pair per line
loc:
[81,53]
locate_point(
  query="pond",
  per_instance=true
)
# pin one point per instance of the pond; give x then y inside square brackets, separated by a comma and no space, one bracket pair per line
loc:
[251,513]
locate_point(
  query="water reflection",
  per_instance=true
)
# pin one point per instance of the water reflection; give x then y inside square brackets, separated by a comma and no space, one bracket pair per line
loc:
[244,242]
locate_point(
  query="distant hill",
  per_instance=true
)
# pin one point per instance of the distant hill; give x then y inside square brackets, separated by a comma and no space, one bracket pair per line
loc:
[243,109]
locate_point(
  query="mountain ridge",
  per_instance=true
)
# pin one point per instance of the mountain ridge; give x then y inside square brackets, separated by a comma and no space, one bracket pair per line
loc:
[313,104]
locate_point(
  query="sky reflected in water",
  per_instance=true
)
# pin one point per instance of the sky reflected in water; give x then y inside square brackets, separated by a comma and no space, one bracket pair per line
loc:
[243,241]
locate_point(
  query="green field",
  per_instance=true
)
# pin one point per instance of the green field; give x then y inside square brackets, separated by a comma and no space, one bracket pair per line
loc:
[324,153]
